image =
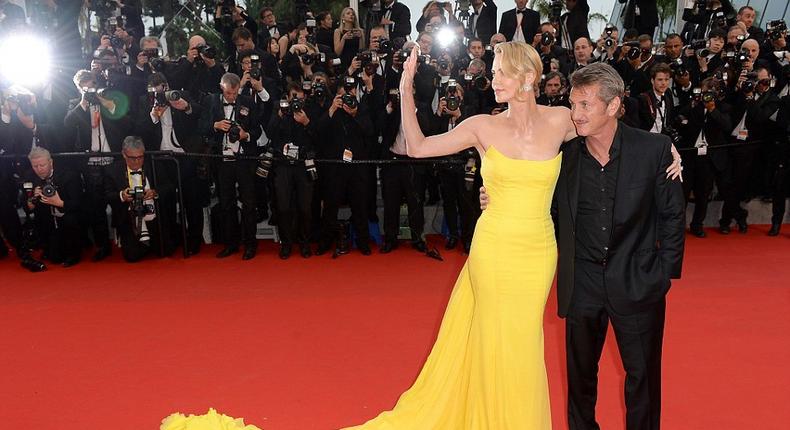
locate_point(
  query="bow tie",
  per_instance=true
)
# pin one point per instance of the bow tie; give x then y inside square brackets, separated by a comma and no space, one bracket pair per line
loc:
[518,11]
[228,104]
[136,172]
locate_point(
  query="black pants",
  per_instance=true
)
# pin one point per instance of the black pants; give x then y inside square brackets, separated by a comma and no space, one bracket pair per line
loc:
[60,236]
[294,193]
[401,182]
[740,173]
[700,175]
[230,174]
[639,340]
[457,200]
[10,226]
[339,182]
[192,191]
[96,205]
[134,250]
[781,184]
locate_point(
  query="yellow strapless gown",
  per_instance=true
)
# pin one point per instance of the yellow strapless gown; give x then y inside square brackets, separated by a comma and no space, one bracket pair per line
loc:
[486,370]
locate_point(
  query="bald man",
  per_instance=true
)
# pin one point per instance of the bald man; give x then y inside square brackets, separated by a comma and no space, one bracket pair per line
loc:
[199,73]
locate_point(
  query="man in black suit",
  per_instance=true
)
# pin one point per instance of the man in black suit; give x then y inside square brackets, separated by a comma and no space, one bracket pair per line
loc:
[396,17]
[167,123]
[520,23]
[95,124]
[136,216]
[573,24]
[232,124]
[656,107]
[641,15]
[482,21]
[620,224]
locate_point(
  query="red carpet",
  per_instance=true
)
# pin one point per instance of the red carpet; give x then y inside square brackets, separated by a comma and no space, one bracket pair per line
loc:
[322,343]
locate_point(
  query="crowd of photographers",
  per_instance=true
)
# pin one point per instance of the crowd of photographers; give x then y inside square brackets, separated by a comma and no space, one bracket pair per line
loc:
[247,127]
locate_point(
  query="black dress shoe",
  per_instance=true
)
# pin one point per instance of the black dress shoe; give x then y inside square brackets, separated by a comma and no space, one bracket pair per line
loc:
[305,250]
[70,262]
[743,228]
[451,243]
[342,248]
[285,251]
[323,247]
[193,249]
[724,229]
[228,251]
[774,231]
[249,253]
[419,246]
[101,253]
[364,249]
[698,232]
[387,247]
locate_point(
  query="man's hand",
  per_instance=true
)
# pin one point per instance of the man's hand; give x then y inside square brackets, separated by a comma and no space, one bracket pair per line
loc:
[179,104]
[108,104]
[192,54]
[126,195]
[53,201]
[158,111]
[703,63]
[483,198]
[222,125]
[142,60]
[150,194]
[301,117]
[355,65]
[337,103]
[367,80]
[243,135]
[351,111]
[441,108]
[386,21]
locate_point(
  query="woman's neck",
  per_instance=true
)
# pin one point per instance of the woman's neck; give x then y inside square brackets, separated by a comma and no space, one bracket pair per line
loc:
[523,113]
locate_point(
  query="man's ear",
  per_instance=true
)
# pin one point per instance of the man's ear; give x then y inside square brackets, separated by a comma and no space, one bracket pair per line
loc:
[613,108]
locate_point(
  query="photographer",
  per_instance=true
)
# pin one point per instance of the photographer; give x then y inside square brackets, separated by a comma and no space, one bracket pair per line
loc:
[573,23]
[708,15]
[396,18]
[546,44]
[755,108]
[55,203]
[705,122]
[225,120]
[302,60]
[656,107]
[23,128]
[256,84]
[292,135]
[168,121]
[383,48]
[745,19]
[199,73]
[135,200]
[555,88]
[478,94]
[348,128]
[781,175]
[268,28]
[94,124]
[641,15]
[229,17]
[607,47]
[459,184]
[582,54]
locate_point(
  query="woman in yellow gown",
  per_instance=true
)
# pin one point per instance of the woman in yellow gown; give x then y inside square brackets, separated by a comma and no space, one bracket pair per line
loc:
[486,370]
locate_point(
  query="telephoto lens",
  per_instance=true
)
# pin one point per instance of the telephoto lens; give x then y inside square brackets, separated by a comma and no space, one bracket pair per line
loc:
[265,164]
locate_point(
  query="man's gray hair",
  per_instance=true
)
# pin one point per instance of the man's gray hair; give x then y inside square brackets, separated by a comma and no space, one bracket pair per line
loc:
[146,39]
[231,80]
[601,74]
[133,143]
[39,152]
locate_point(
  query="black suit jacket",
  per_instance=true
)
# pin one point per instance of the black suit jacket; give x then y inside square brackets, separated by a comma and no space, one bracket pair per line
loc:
[401,16]
[116,180]
[716,125]
[185,126]
[486,22]
[648,109]
[646,247]
[529,24]
[78,128]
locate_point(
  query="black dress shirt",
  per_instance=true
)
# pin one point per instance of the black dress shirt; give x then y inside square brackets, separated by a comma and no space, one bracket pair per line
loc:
[596,204]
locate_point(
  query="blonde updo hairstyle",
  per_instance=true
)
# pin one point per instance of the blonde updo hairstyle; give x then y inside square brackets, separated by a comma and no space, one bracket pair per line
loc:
[517,60]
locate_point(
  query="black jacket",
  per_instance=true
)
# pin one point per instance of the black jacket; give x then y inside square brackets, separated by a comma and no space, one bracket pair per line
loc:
[78,128]
[530,24]
[648,109]
[401,16]
[716,125]
[486,22]
[116,180]
[646,247]
[576,24]
[341,131]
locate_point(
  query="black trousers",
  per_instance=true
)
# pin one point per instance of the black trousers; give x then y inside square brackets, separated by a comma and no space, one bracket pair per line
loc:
[639,340]
[293,190]
[10,226]
[457,200]
[134,250]
[192,190]
[781,183]
[96,205]
[742,159]
[229,175]
[338,183]
[60,236]
[699,178]
[401,182]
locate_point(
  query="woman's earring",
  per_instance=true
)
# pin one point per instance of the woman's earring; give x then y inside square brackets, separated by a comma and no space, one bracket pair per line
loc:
[526,88]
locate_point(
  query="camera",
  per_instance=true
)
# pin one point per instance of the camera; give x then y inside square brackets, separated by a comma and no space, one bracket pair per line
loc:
[309,165]
[318,90]
[422,59]
[92,95]
[635,52]
[776,29]
[672,133]
[163,98]
[138,207]
[265,164]
[255,67]
[678,68]
[368,57]
[555,10]
[750,83]
[547,38]
[708,96]
[443,63]
[208,51]
[297,104]
[24,101]
[385,46]
[470,169]
[48,190]
[609,42]
[349,83]
[226,11]
[452,99]
[234,132]
[394,96]
[718,20]
[349,100]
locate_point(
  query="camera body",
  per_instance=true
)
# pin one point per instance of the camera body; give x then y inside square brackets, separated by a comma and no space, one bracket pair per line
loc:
[24,101]
[48,189]
[368,57]
[163,98]
[318,90]
[234,132]
[138,207]
[385,46]
[404,55]
[265,163]
[255,67]
[635,52]
[776,29]
[393,96]
[349,100]
[547,38]
[290,107]
[208,51]
[92,95]
[451,98]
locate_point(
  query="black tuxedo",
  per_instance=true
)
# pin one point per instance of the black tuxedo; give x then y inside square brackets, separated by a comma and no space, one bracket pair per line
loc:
[78,128]
[648,110]
[245,113]
[646,21]
[628,285]
[400,16]
[530,24]
[58,228]
[117,180]
[485,27]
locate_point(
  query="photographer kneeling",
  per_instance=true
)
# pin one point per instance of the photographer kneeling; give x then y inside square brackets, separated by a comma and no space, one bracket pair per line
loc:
[292,135]
[133,197]
[55,205]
